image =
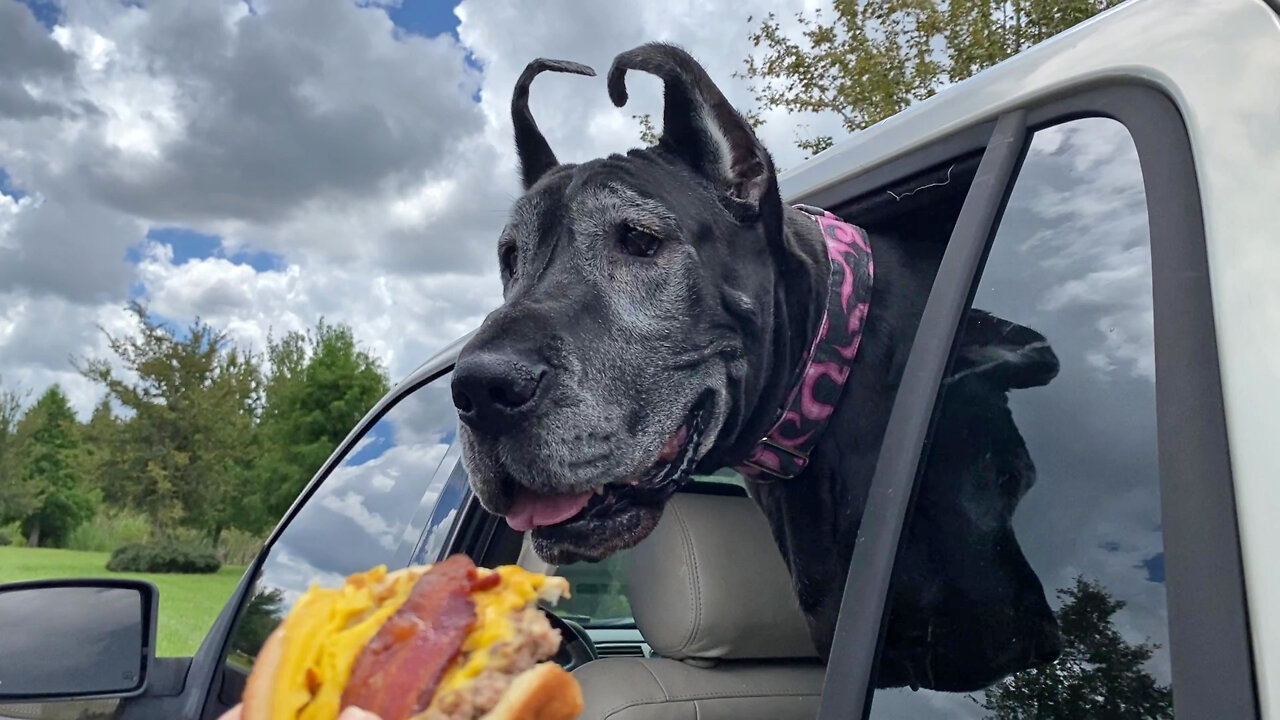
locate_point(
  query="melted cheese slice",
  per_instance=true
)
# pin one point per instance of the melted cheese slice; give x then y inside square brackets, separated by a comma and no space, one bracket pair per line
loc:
[328,627]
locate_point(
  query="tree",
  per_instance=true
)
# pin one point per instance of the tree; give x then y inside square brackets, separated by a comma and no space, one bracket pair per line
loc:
[866,60]
[318,387]
[185,453]
[49,448]
[1099,675]
[100,455]
[15,500]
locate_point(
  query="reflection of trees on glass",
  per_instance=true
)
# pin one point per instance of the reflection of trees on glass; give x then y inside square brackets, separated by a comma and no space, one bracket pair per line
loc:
[262,615]
[1098,676]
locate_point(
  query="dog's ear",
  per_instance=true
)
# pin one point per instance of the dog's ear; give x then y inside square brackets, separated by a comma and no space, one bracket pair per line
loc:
[698,123]
[536,157]
[1007,354]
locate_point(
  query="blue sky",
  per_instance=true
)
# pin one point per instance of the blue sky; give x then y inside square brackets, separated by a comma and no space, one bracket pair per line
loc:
[7,187]
[425,17]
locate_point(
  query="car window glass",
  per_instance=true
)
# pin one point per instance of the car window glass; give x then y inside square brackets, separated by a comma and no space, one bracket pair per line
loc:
[1070,261]
[362,515]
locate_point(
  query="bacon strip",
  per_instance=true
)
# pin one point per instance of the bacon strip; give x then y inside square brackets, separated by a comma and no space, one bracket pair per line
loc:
[396,674]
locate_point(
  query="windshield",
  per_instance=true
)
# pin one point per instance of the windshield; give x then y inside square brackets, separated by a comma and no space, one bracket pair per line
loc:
[599,593]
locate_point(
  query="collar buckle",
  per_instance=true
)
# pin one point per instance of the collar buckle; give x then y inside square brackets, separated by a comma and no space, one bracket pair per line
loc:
[789,470]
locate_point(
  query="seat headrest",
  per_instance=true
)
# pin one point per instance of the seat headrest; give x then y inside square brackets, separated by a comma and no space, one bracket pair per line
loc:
[709,583]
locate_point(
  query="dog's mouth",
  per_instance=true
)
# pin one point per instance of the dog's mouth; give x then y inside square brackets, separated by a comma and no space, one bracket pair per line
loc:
[614,506]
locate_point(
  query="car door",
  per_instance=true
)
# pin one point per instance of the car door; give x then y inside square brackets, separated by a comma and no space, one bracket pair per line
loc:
[1082,223]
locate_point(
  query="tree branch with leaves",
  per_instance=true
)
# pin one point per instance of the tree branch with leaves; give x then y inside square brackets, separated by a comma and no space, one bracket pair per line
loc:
[867,60]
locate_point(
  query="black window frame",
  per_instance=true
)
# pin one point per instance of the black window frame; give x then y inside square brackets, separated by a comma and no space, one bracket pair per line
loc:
[1210,645]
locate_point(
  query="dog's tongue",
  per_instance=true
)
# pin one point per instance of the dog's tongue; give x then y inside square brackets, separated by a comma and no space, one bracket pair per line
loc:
[531,509]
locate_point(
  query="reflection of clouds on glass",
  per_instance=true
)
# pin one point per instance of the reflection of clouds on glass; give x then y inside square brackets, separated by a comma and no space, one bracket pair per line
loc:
[1071,261]
[363,512]
[293,575]
[350,505]
[430,419]
[1080,217]
[437,536]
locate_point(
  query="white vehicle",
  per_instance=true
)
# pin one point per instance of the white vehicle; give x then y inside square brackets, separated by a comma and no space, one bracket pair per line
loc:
[1118,189]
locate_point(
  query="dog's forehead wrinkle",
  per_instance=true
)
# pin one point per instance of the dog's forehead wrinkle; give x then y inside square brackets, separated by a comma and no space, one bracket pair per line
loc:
[599,208]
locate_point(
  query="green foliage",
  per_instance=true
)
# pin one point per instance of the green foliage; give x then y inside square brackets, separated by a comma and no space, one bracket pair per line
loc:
[196,444]
[649,134]
[184,455]
[163,558]
[13,534]
[110,529]
[866,60]
[1099,675]
[319,386]
[55,500]
[100,462]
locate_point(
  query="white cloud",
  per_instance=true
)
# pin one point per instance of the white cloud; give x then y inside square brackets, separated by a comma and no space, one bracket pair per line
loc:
[308,129]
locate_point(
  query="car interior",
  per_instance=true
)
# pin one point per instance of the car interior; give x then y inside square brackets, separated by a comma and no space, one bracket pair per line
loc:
[726,637]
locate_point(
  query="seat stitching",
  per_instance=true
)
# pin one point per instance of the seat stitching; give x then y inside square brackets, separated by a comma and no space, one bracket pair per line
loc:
[661,687]
[692,562]
[630,703]
[718,696]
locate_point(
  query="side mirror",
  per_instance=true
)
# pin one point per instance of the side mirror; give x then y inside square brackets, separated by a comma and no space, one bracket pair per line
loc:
[76,639]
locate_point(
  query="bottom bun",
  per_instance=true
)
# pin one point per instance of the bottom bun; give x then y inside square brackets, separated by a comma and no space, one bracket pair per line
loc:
[543,692]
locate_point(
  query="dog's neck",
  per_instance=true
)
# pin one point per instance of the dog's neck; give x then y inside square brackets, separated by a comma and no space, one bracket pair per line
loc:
[822,298]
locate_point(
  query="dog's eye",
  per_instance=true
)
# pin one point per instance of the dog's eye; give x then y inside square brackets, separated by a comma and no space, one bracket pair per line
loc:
[638,242]
[507,257]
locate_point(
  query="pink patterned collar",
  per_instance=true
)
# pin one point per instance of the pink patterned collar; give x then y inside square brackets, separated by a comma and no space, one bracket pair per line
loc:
[784,451]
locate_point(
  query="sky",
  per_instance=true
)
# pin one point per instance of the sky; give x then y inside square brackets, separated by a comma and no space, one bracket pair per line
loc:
[262,165]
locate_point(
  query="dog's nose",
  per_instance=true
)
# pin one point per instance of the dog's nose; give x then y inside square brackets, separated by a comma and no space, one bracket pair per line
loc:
[495,391]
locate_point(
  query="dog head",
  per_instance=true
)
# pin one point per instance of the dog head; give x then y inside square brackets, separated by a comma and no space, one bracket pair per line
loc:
[632,290]
[967,608]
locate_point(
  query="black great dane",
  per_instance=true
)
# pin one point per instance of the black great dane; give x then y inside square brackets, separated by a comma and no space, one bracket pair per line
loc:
[663,312]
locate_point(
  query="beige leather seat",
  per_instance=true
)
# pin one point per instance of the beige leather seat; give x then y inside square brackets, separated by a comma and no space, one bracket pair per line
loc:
[711,595]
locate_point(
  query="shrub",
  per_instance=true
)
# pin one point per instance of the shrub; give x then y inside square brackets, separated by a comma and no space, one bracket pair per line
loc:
[11,534]
[109,530]
[239,547]
[163,558]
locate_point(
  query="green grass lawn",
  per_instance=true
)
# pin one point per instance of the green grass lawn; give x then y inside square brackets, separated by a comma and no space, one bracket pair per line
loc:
[188,603]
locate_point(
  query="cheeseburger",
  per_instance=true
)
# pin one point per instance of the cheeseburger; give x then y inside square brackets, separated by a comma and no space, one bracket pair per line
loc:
[448,641]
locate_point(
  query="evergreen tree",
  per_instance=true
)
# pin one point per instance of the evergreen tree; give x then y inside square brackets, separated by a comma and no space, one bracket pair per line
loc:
[1099,675]
[49,448]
